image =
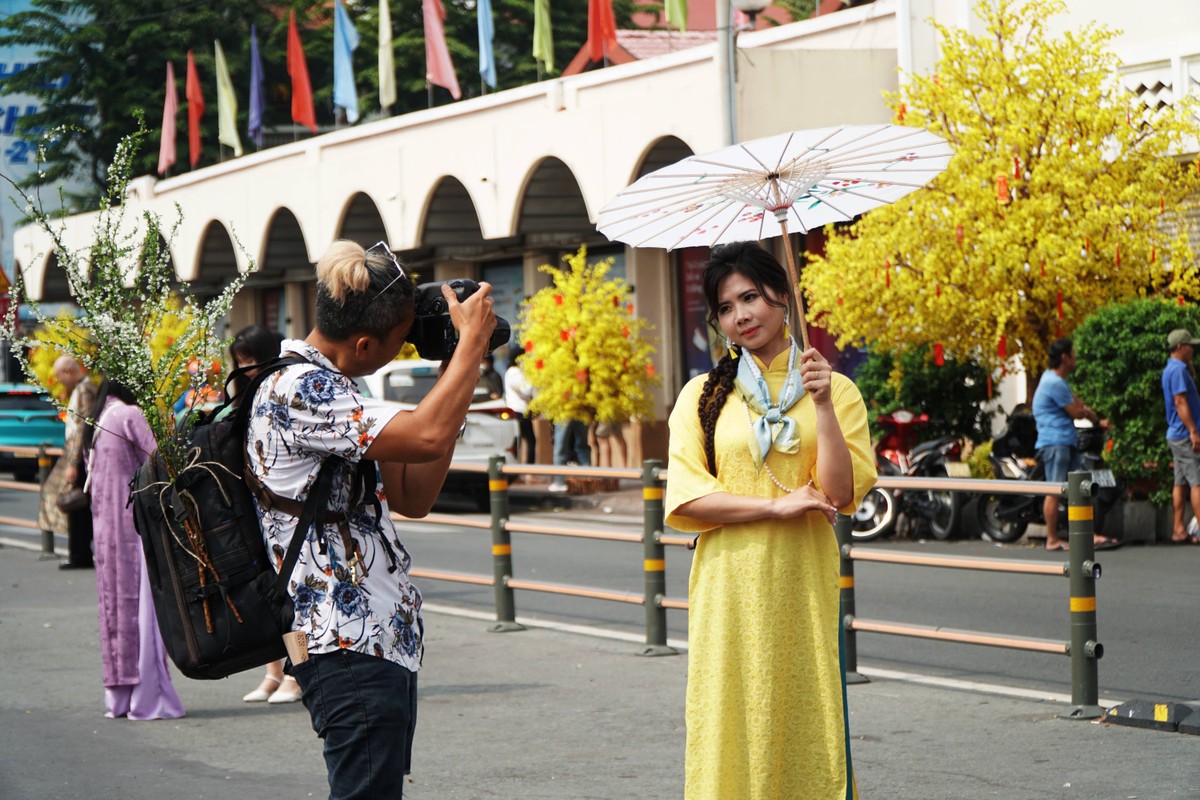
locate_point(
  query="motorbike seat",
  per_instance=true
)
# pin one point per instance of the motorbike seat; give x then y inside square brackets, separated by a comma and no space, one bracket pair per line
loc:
[932,444]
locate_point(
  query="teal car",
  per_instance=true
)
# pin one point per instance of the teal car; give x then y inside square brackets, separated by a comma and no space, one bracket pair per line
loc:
[28,418]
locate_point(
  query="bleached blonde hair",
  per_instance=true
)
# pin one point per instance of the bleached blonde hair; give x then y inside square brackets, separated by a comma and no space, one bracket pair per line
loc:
[350,279]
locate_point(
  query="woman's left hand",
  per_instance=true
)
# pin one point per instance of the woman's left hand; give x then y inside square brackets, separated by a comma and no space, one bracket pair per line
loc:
[815,372]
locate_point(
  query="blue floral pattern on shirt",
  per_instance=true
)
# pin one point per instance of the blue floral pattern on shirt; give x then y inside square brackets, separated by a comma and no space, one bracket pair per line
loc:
[301,416]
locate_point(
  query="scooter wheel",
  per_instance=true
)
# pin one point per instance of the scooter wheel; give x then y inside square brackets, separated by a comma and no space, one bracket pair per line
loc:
[1005,531]
[875,517]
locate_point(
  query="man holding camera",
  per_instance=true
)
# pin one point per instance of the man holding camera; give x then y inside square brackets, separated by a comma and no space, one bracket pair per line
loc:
[361,645]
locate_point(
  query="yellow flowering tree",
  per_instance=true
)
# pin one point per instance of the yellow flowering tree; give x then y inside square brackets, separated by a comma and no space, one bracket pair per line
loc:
[586,353]
[1061,197]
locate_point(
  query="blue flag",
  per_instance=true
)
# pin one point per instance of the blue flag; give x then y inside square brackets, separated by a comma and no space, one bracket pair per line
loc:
[487,34]
[257,103]
[345,39]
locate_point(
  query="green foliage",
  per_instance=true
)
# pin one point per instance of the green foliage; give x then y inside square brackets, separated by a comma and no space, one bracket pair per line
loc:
[978,461]
[1121,350]
[953,395]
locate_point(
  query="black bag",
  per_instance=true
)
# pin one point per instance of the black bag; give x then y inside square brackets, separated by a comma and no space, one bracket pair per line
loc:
[221,606]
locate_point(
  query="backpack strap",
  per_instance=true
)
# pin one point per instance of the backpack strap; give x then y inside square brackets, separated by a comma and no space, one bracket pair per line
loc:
[317,498]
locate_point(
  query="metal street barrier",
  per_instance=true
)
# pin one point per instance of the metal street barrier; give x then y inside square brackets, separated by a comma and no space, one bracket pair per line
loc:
[1083,646]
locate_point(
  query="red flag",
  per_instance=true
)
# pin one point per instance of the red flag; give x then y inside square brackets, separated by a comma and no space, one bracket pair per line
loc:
[602,29]
[439,69]
[303,112]
[195,100]
[166,145]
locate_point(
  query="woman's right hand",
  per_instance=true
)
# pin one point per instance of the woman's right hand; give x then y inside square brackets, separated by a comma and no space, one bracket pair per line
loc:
[475,317]
[803,500]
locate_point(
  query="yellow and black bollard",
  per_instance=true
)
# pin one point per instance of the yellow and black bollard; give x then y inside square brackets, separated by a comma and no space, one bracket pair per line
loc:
[44,465]
[843,528]
[506,610]
[1085,649]
[654,560]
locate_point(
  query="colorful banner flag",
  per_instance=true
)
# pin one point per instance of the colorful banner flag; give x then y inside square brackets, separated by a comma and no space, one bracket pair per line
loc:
[543,34]
[345,40]
[677,13]
[439,69]
[195,98]
[166,144]
[602,29]
[303,112]
[227,133]
[258,103]
[387,58]
[487,36]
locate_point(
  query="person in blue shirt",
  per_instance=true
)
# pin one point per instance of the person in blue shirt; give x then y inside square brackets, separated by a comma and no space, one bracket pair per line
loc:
[1183,437]
[1055,409]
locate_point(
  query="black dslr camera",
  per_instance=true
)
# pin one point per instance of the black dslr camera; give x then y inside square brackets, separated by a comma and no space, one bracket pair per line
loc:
[433,333]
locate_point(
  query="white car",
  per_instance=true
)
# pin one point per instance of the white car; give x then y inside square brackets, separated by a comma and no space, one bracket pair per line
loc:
[491,425]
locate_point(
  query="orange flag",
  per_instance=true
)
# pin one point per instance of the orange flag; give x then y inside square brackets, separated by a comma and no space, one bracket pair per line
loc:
[602,29]
[195,100]
[303,112]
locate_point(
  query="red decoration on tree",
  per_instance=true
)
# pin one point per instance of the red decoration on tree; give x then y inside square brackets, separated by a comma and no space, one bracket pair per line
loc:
[1153,254]
[1059,300]
[1043,267]
[1002,194]
[616,301]
[625,331]
[629,309]
[840,300]
[581,375]
[539,364]
[989,387]
[1002,346]
[1016,168]
[529,346]
[1162,205]
[938,290]
[564,335]
[1118,255]
[939,356]
[558,299]
[900,112]
[1180,299]
[649,370]
[958,234]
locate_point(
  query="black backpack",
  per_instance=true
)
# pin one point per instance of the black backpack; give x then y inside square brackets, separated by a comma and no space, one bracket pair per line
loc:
[221,606]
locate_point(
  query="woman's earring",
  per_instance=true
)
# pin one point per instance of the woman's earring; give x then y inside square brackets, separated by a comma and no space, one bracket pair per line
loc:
[787,334]
[729,347]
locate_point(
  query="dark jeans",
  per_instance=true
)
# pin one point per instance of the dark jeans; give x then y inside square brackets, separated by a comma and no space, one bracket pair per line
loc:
[364,708]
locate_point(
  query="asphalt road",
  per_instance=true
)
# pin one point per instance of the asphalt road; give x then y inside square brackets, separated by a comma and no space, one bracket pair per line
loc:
[1147,599]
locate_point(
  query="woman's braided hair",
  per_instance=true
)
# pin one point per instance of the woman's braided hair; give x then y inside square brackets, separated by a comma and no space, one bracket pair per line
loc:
[761,269]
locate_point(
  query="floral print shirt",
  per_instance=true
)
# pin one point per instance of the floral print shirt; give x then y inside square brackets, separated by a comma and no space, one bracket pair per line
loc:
[301,416]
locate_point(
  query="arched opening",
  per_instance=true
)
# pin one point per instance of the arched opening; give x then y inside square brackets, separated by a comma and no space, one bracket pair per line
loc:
[362,222]
[216,261]
[552,211]
[55,286]
[664,152]
[284,251]
[451,222]
[284,260]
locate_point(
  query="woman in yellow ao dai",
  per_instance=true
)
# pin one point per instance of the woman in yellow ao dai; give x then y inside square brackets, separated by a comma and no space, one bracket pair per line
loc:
[764,451]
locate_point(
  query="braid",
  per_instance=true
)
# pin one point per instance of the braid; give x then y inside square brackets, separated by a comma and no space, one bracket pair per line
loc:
[712,400]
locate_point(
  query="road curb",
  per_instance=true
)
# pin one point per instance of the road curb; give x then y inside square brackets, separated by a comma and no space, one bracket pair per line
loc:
[1169,717]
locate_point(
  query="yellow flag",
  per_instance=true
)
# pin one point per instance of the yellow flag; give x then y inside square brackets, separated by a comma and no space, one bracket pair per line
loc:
[226,105]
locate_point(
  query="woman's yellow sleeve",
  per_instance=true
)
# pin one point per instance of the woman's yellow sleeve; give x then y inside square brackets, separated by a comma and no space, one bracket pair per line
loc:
[688,477]
[852,417]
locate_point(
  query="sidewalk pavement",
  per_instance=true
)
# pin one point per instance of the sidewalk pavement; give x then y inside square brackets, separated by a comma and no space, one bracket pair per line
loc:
[536,715]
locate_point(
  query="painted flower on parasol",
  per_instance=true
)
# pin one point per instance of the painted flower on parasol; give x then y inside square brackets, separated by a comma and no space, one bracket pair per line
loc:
[790,182]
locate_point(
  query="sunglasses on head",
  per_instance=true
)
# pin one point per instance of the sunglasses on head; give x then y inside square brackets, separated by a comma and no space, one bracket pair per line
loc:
[395,261]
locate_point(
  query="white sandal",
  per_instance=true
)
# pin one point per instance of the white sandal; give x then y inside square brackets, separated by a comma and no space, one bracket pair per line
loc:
[288,691]
[260,695]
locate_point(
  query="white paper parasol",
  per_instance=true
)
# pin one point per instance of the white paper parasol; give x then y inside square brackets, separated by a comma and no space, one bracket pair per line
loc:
[772,186]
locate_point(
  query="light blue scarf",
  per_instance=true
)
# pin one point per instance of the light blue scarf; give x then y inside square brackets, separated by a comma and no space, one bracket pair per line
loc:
[773,428]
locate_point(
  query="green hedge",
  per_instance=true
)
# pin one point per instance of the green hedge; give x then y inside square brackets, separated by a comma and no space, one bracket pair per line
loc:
[1121,350]
[953,395]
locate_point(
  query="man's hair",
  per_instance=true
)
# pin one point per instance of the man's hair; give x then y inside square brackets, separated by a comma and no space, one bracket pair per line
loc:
[1058,349]
[361,292]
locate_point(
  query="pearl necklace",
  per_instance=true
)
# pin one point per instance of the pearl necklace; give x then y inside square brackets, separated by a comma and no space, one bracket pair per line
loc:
[767,466]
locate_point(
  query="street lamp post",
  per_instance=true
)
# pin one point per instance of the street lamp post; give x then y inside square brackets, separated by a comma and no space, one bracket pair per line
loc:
[727,56]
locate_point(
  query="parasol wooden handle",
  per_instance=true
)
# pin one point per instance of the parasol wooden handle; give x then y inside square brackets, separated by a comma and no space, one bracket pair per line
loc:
[795,304]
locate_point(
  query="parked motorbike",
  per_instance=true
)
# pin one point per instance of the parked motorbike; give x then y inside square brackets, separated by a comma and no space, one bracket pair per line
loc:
[899,453]
[1005,517]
